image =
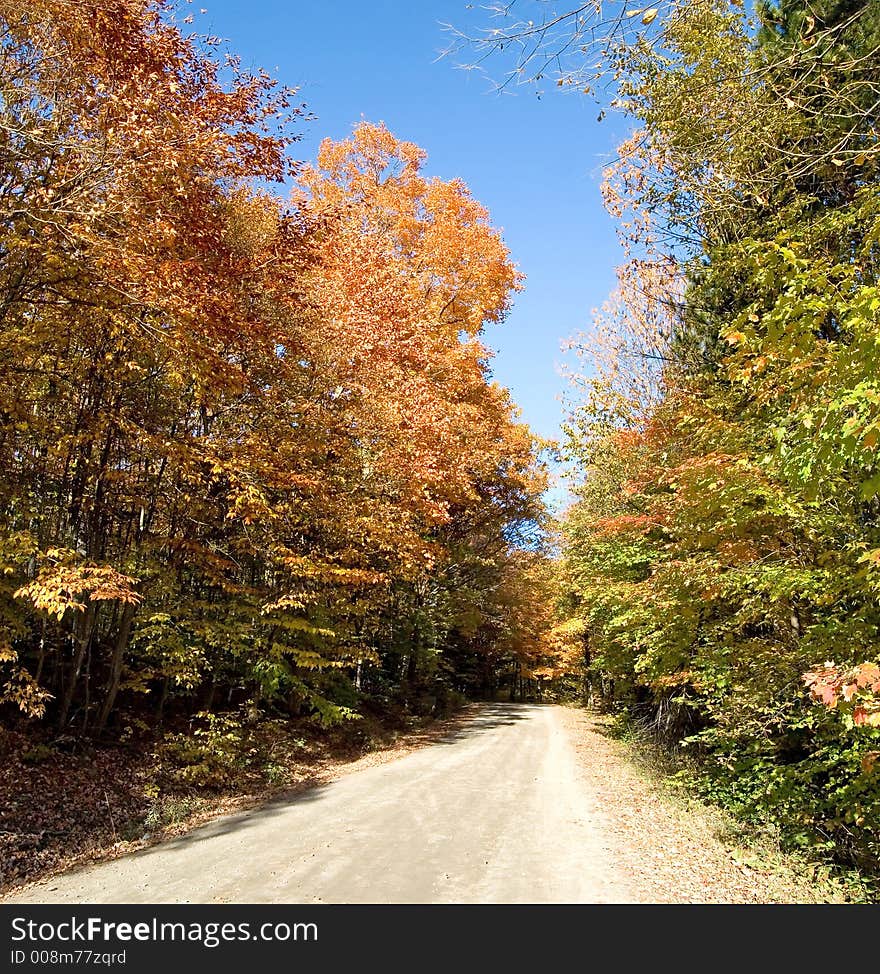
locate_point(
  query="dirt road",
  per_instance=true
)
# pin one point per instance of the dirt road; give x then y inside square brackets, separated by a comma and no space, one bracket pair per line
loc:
[515,806]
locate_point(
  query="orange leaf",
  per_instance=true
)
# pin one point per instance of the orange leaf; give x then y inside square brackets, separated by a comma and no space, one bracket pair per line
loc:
[867,674]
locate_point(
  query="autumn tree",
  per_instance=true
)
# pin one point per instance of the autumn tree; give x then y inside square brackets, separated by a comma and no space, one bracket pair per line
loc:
[246,440]
[409,271]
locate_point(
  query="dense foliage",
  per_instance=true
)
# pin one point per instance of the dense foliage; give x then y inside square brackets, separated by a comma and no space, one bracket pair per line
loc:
[722,555]
[250,449]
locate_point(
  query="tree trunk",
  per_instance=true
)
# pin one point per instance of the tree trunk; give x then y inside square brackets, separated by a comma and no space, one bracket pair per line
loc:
[87,695]
[41,660]
[82,636]
[122,638]
[588,682]
[209,699]
[160,710]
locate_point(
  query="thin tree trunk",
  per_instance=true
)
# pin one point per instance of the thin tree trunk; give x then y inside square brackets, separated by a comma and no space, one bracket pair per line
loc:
[588,683]
[88,686]
[160,710]
[82,636]
[41,659]
[209,699]
[119,648]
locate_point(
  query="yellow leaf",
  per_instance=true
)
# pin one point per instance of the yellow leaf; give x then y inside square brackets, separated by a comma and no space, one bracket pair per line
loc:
[649,16]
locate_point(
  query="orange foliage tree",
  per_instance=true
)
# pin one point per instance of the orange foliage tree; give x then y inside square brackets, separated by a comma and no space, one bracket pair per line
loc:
[241,437]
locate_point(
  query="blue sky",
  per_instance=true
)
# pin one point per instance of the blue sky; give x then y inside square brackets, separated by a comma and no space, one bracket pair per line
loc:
[535,163]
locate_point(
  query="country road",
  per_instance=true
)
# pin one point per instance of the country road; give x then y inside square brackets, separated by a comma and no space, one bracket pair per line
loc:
[506,809]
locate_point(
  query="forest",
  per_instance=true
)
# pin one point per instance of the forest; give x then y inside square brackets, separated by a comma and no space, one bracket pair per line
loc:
[256,472]
[251,451]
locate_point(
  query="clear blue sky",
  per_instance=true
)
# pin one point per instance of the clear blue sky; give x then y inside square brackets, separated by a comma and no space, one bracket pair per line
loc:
[535,163]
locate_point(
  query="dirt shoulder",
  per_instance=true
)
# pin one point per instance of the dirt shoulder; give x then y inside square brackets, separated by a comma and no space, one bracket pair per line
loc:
[673,848]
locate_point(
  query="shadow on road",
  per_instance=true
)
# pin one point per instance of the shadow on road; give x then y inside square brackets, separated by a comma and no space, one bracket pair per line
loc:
[489,717]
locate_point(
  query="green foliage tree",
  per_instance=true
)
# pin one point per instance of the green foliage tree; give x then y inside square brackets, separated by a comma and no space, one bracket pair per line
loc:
[721,553]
